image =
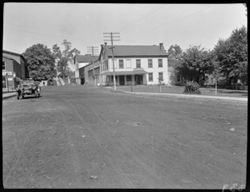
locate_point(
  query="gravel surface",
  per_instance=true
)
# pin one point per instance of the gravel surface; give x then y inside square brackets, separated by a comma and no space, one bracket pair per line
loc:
[78,137]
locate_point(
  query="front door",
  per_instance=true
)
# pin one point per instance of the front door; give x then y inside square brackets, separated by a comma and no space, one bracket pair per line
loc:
[138,79]
[121,80]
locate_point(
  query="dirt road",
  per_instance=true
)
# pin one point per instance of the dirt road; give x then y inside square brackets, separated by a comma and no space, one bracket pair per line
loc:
[75,137]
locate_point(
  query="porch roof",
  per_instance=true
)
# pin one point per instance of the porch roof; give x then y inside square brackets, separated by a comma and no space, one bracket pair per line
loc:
[134,72]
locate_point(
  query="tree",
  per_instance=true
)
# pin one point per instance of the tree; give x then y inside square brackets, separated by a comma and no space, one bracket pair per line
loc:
[195,62]
[174,52]
[40,62]
[64,57]
[232,56]
[174,55]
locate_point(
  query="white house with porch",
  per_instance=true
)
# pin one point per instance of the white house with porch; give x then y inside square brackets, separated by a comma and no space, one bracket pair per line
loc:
[133,64]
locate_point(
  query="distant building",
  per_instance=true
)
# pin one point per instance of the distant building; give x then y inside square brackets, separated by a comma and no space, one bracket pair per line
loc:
[13,69]
[92,73]
[134,65]
[80,61]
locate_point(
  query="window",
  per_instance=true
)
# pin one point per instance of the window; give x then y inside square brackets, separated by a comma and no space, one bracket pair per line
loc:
[150,76]
[3,65]
[160,76]
[138,63]
[150,63]
[159,62]
[121,64]
[106,65]
[115,63]
[3,82]
[128,63]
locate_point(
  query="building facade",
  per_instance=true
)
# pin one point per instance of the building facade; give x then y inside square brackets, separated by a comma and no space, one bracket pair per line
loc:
[80,61]
[13,69]
[92,73]
[133,65]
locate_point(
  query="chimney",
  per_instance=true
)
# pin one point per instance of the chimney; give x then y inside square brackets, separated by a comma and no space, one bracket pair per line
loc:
[161,46]
[105,44]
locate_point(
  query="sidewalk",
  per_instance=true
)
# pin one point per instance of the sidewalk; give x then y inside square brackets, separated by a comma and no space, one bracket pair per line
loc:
[8,95]
[186,95]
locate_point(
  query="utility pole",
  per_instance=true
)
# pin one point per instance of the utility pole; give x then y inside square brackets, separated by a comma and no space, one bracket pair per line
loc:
[112,36]
[92,50]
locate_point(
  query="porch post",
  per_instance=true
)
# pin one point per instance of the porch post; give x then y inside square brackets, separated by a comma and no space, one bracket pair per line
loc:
[125,80]
[144,79]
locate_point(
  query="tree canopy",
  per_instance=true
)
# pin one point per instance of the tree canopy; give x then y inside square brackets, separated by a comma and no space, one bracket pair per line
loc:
[174,52]
[232,56]
[228,59]
[195,62]
[63,57]
[40,62]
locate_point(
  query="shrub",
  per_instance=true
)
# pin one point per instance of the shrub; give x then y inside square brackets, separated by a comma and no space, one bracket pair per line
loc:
[192,87]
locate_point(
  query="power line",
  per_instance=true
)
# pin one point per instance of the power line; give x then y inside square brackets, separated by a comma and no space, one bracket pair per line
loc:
[92,50]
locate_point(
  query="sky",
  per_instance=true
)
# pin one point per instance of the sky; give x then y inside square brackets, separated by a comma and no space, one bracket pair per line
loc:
[26,24]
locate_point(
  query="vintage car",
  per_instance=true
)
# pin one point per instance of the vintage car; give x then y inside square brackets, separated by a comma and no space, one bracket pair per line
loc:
[28,88]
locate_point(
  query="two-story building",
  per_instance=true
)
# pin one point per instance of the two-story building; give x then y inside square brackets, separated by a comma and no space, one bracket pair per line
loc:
[13,69]
[133,65]
[80,62]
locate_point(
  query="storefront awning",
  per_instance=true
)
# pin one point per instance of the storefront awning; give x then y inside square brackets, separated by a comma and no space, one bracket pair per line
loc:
[134,72]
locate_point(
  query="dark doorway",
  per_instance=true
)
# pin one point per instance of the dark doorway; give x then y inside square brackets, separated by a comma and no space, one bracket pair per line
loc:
[82,81]
[122,80]
[138,79]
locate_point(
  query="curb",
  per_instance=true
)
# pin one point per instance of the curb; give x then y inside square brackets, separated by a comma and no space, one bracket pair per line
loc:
[187,96]
[8,96]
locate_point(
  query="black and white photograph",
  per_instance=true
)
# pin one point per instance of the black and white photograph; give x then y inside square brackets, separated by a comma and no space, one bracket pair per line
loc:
[124,96]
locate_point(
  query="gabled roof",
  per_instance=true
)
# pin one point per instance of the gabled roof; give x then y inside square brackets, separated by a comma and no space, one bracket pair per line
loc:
[13,53]
[85,58]
[8,58]
[136,50]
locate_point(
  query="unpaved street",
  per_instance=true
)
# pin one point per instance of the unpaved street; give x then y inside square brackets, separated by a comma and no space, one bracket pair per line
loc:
[79,137]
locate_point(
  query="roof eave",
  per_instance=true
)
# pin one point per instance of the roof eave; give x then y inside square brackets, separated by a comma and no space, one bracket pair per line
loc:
[13,53]
[110,56]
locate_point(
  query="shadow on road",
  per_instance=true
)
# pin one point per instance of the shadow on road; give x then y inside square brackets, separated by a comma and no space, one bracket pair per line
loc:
[30,97]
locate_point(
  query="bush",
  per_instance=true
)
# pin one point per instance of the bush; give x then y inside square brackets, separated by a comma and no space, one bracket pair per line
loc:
[192,87]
